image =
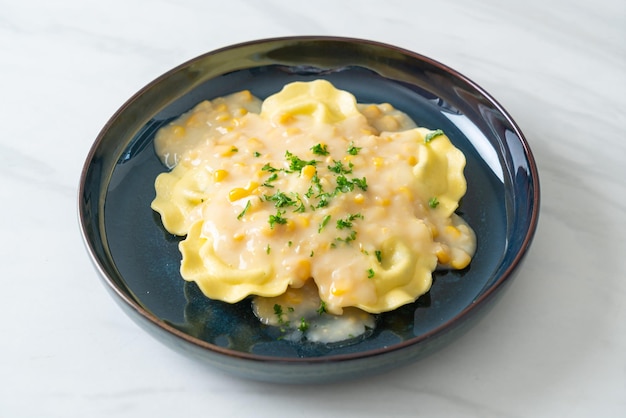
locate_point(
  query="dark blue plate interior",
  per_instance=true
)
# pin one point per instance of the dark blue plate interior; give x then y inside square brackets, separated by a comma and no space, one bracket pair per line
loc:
[140,260]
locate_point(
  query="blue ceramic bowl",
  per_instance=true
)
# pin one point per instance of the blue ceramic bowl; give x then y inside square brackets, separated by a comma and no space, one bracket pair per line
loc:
[139,261]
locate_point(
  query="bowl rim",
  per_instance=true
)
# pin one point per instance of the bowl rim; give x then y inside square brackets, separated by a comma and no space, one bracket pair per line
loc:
[125,297]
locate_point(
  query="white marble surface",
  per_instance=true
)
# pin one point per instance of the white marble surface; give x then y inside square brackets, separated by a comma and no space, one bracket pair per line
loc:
[554,346]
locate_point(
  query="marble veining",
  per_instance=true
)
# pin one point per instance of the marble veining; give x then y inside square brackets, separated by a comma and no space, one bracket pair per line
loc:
[555,344]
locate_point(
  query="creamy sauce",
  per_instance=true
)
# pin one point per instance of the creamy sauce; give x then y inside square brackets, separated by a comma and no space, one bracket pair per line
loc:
[350,203]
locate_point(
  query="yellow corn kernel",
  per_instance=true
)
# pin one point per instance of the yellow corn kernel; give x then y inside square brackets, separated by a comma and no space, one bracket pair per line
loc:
[178,131]
[237,193]
[230,151]
[372,111]
[461,260]
[219,175]
[238,236]
[254,142]
[434,230]
[304,220]
[303,269]
[245,95]
[405,190]
[221,107]
[293,131]
[359,198]
[308,171]
[337,292]
[382,201]
[386,107]
[268,231]
[285,118]
[378,162]
[222,117]
[412,160]
[453,231]
[240,192]
[390,123]
[194,119]
[443,256]
[366,131]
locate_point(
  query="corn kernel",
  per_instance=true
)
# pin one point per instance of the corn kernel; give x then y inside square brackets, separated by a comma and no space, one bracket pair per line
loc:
[285,118]
[237,193]
[359,198]
[378,162]
[337,292]
[412,160]
[372,111]
[228,151]
[308,171]
[461,260]
[303,269]
[221,107]
[382,201]
[178,131]
[434,231]
[238,236]
[219,175]
[304,220]
[453,231]
[194,119]
[222,117]
[245,95]
[443,256]
[405,190]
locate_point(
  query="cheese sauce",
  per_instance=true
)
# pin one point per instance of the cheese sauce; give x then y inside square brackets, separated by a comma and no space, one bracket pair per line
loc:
[350,203]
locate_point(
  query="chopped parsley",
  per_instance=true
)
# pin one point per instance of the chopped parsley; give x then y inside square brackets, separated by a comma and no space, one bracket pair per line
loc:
[432,135]
[379,255]
[277,219]
[280,199]
[352,150]
[347,221]
[339,168]
[243,212]
[319,149]
[322,308]
[296,163]
[323,223]
[370,273]
[303,325]
[433,202]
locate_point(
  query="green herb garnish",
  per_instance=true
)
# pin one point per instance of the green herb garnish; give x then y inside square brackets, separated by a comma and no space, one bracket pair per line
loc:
[352,150]
[243,212]
[433,202]
[296,163]
[432,135]
[320,149]
[322,308]
[323,223]
[277,219]
[303,325]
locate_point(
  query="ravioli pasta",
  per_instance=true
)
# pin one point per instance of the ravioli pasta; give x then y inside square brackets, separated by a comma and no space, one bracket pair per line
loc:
[311,188]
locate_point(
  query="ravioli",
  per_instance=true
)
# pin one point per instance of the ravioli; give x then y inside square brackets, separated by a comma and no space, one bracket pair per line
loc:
[309,187]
